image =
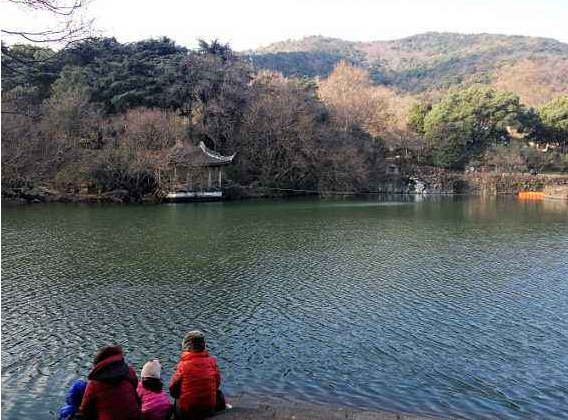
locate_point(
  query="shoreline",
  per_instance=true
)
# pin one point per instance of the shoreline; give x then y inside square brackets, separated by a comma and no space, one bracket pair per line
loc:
[469,184]
[98,200]
[90,200]
[104,199]
[271,409]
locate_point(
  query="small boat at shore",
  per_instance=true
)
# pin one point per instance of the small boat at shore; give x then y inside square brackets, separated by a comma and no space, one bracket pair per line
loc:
[182,196]
[530,195]
[559,192]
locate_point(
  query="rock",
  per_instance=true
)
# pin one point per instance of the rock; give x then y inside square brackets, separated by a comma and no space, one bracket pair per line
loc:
[8,192]
[49,191]
[33,196]
[116,196]
[417,186]
[149,198]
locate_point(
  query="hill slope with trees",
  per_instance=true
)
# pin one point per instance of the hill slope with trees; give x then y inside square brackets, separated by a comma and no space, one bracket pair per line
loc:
[432,62]
[106,116]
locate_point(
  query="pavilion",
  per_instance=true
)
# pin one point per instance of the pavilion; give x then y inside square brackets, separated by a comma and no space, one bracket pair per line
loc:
[196,173]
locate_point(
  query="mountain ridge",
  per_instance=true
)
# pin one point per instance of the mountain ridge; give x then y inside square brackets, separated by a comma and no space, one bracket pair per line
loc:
[423,62]
[272,45]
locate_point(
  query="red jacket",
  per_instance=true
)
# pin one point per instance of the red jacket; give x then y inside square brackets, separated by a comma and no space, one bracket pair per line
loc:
[195,384]
[111,392]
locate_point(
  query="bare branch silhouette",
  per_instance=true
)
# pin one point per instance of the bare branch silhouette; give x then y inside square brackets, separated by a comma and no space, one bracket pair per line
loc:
[66,25]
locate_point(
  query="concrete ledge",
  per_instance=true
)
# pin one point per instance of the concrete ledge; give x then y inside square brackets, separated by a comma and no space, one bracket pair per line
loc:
[293,411]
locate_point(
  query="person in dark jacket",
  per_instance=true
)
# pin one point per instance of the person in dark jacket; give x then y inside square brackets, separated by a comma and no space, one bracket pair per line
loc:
[73,399]
[111,390]
[195,384]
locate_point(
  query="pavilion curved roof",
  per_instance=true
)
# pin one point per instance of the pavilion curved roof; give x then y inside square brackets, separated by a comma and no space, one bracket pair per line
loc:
[215,157]
[199,156]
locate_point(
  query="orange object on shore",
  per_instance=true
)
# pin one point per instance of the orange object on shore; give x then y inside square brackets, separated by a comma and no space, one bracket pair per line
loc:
[531,195]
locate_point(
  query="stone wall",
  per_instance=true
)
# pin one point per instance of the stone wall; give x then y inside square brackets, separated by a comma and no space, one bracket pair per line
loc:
[559,192]
[436,180]
[511,183]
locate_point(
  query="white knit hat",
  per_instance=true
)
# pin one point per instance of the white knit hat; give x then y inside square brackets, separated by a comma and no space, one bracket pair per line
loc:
[151,369]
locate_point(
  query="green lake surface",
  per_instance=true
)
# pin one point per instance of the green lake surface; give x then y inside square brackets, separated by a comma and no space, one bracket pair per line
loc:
[449,306]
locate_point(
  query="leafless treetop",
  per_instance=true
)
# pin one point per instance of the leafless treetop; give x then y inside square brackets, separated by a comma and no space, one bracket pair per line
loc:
[64,22]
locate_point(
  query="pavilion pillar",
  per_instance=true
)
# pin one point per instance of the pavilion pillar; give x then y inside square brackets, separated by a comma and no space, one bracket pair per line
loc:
[209,183]
[220,176]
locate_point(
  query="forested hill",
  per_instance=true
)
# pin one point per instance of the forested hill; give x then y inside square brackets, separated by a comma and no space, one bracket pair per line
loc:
[102,116]
[431,61]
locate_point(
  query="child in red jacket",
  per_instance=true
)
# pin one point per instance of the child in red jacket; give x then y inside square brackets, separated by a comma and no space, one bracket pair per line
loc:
[111,390]
[195,384]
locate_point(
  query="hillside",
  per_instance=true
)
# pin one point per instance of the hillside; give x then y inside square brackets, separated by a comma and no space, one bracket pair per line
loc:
[432,61]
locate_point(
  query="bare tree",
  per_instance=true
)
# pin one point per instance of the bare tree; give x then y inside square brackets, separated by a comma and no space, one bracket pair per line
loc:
[65,24]
[535,81]
[354,101]
[61,23]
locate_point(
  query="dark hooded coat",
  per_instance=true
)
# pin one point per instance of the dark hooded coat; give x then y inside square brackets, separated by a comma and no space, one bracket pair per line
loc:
[111,392]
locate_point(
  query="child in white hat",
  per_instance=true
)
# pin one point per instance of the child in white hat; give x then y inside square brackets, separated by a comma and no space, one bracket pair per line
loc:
[155,403]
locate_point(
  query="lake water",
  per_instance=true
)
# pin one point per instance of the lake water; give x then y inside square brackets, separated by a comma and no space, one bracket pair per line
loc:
[444,306]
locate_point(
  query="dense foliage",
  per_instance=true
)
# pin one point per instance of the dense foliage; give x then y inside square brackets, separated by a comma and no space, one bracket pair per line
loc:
[464,123]
[478,124]
[108,115]
[555,117]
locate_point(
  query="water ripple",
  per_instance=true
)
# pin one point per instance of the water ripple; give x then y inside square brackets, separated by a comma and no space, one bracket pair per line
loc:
[443,307]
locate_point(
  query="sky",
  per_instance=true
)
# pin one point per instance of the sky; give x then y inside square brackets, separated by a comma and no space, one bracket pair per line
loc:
[248,24]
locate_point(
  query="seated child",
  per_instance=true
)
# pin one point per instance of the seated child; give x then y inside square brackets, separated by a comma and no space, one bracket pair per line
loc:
[195,384]
[155,403]
[73,399]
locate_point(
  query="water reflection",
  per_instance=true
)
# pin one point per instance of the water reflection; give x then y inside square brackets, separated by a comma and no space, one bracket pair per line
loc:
[447,306]
[559,206]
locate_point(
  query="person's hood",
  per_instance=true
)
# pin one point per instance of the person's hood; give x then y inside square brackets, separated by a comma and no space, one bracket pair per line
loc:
[111,369]
[75,394]
[188,355]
